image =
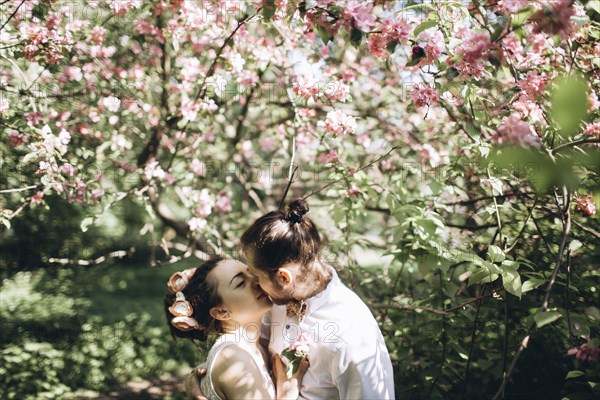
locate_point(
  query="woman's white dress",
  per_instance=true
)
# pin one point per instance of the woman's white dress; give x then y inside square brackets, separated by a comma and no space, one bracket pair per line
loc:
[227,339]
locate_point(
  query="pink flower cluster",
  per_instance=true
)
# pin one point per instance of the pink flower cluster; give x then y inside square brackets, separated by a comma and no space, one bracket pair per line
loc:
[122,7]
[473,50]
[511,6]
[585,204]
[585,353]
[360,14]
[338,123]
[423,94]
[532,85]
[593,130]
[223,202]
[432,41]
[556,19]
[514,130]
[390,30]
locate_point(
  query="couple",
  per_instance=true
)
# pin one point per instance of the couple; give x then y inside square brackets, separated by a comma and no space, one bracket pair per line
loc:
[347,357]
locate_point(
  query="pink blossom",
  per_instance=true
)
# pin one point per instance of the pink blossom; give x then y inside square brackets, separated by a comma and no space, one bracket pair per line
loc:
[528,109]
[586,204]
[336,91]
[593,130]
[511,6]
[121,7]
[307,88]
[154,170]
[432,41]
[37,198]
[556,19]
[96,194]
[330,157]
[396,30]
[197,224]
[378,45]
[360,13]
[516,131]
[72,73]
[585,353]
[33,118]
[4,105]
[267,144]
[17,138]
[430,155]
[67,169]
[512,44]
[337,122]
[474,46]
[423,94]
[203,202]
[198,167]
[98,34]
[111,103]
[533,84]
[354,190]
[223,202]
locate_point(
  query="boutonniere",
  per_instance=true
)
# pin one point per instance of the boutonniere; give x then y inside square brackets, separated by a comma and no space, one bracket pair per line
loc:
[294,353]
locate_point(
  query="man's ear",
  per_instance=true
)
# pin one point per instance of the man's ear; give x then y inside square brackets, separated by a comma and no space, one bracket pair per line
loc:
[284,276]
[219,314]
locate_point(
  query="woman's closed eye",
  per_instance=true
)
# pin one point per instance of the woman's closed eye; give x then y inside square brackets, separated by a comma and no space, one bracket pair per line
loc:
[242,283]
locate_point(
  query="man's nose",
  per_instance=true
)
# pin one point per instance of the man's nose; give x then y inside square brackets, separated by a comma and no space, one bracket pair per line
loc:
[255,283]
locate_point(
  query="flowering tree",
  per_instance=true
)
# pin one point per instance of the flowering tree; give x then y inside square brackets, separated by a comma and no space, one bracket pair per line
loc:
[458,140]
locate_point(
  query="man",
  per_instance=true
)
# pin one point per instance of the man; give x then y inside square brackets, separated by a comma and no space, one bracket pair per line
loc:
[348,357]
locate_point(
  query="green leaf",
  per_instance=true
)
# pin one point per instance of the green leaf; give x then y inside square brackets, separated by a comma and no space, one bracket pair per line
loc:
[531,284]
[574,374]
[521,16]
[495,254]
[356,36]
[570,104]
[511,280]
[546,317]
[472,131]
[424,26]
[85,224]
[593,5]
[268,9]
[391,46]
[323,34]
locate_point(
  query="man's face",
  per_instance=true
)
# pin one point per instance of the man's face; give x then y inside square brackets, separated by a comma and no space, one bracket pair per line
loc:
[279,294]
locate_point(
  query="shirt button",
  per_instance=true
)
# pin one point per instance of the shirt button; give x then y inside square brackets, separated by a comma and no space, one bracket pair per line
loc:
[287,326]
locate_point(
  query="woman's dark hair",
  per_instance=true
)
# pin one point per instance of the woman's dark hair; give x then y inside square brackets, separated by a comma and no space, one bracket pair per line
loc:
[202,295]
[280,237]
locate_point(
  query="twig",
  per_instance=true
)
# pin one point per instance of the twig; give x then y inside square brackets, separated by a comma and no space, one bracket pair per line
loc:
[19,189]
[429,309]
[565,235]
[345,176]
[114,254]
[472,345]
[574,143]
[11,16]
[290,180]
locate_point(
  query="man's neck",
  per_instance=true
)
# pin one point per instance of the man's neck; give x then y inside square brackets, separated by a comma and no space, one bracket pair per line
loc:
[321,274]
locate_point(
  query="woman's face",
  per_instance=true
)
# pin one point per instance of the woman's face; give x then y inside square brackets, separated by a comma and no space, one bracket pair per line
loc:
[240,292]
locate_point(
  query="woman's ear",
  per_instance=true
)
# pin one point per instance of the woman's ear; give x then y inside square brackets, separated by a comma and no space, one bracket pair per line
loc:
[284,276]
[220,314]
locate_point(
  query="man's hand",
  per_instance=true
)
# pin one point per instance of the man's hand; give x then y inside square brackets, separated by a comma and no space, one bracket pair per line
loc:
[192,383]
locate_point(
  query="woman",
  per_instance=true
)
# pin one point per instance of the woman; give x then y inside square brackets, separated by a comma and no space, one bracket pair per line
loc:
[223,298]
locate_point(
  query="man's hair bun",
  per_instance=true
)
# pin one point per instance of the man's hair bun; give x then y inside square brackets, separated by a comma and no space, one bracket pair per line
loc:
[296,210]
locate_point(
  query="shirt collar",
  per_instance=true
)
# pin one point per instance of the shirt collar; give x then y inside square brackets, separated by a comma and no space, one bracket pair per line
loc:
[320,299]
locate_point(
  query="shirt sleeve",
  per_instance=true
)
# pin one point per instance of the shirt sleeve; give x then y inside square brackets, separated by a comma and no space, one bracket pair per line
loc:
[360,376]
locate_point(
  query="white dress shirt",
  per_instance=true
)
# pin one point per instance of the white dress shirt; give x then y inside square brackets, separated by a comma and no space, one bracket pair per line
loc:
[348,357]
